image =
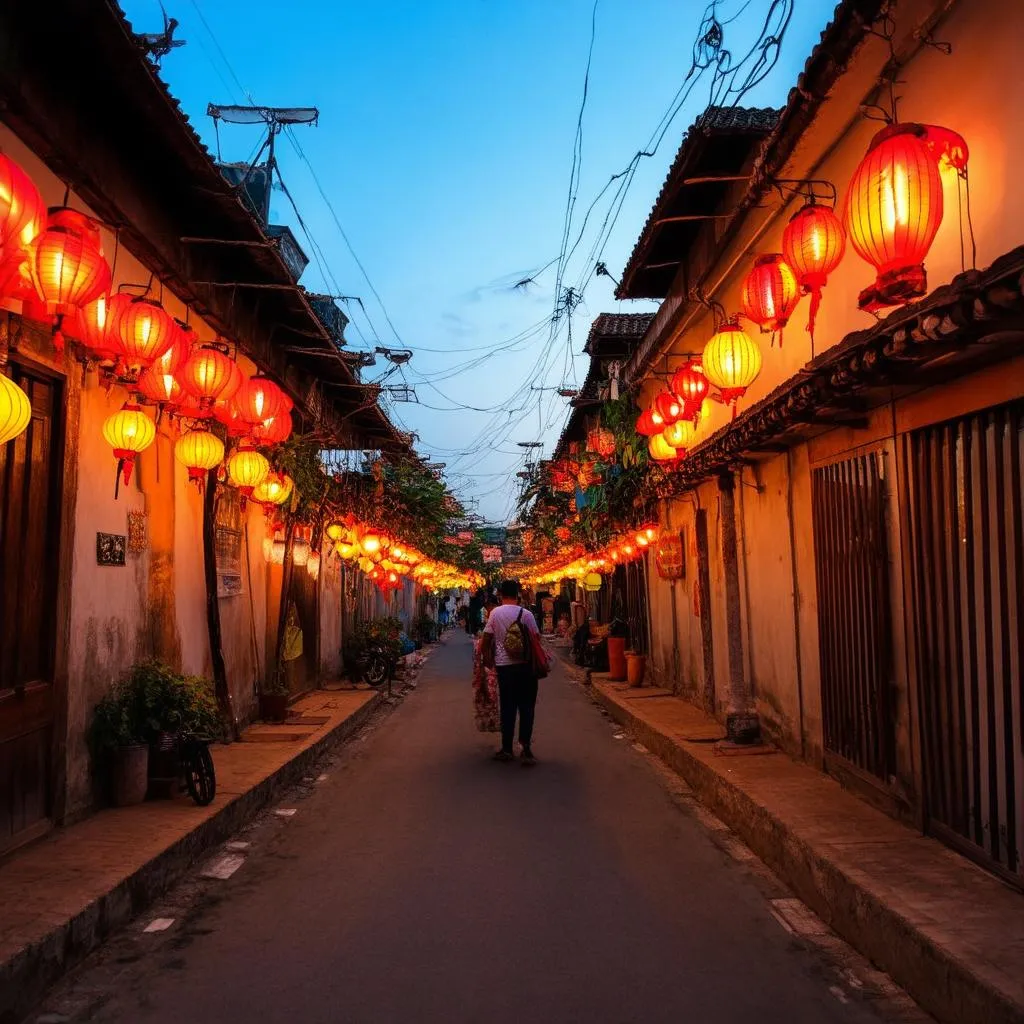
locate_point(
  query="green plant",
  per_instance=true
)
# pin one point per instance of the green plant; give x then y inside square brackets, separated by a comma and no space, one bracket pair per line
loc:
[424,628]
[385,632]
[115,724]
[166,701]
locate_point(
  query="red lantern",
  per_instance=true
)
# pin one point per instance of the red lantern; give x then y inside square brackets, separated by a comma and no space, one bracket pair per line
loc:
[22,211]
[207,376]
[813,244]
[259,399]
[17,291]
[770,293]
[225,412]
[691,385]
[174,358]
[601,442]
[96,326]
[273,431]
[669,407]
[650,422]
[162,388]
[948,147]
[145,331]
[893,210]
[67,266]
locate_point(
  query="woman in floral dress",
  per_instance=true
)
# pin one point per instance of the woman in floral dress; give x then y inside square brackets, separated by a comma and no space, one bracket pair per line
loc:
[485,692]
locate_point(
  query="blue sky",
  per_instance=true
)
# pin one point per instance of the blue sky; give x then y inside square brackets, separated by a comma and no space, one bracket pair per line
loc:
[444,146]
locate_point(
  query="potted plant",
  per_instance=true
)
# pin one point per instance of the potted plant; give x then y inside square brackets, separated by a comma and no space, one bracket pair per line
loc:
[120,753]
[274,700]
[374,643]
[425,629]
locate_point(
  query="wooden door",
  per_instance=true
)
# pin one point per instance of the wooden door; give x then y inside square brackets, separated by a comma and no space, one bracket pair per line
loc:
[30,474]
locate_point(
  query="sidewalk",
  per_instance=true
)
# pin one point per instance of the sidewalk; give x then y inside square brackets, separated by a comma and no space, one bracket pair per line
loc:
[948,932]
[61,895]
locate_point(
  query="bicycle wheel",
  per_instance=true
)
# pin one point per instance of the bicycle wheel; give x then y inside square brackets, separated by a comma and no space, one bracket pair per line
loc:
[200,776]
[377,671]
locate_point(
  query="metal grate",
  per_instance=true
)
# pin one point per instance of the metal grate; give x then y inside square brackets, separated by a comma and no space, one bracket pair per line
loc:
[967,580]
[854,628]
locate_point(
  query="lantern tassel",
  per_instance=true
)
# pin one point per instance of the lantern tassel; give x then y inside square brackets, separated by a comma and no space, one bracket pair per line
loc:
[57,334]
[813,315]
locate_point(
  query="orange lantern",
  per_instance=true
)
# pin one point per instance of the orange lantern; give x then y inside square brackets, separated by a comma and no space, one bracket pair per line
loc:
[660,450]
[67,266]
[650,422]
[601,442]
[813,244]
[180,349]
[145,331]
[199,451]
[128,432]
[207,376]
[770,293]
[731,361]
[273,431]
[691,385]
[17,292]
[247,469]
[162,388]
[15,409]
[893,210]
[22,212]
[668,558]
[259,399]
[669,406]
[96,326]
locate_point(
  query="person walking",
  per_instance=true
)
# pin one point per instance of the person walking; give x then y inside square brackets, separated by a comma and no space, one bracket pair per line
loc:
[506,646]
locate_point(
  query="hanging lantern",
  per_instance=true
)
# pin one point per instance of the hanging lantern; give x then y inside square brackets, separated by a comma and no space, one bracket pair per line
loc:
[335,531]
[669,407]
[660,450]
[592,582]
[949,148]
[182,341]
[96,325]
[668,558]
[128,432]
[370,543]
[67,266]
[274,491]
[313,564]
[893,210]
[346,550]
[277,550]
[22,211]
[731,361]
[601,442]
[207,376]
[226,413]
[17,292]
[770,293]
[273,431]
[813,243]
[259,399]
[161,388]
[691,385]
[300,547]
[199,451]
[15,407]
[650,422]
[247,469]
[145,331]
[680,435]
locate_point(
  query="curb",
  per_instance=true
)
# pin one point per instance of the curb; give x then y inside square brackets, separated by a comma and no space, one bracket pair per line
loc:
[26,977]
[932,975]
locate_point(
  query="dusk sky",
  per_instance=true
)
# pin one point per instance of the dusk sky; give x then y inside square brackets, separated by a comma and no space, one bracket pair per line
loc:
[444,146]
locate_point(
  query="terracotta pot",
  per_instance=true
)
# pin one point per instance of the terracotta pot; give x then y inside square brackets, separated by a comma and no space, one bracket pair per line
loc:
[130,775]
[617,658]
[273,707]
[636,667]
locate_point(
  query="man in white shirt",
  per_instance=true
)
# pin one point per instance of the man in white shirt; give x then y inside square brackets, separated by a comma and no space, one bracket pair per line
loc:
[517,684]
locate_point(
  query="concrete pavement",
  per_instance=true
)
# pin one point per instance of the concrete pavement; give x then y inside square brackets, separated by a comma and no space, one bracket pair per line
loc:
[423,882]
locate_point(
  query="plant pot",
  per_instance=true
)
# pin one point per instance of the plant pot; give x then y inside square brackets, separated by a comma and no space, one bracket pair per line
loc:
[130,775]
[617,658]
[163,766]
[636,667]
[273,707]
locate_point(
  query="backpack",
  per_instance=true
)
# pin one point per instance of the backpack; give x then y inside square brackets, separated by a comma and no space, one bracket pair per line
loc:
[515,639]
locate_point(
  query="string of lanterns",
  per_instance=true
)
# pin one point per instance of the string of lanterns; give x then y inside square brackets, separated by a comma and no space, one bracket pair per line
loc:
[583,566]
[891,214]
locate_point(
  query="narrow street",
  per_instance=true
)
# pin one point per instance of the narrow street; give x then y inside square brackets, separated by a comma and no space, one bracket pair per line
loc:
[421,881]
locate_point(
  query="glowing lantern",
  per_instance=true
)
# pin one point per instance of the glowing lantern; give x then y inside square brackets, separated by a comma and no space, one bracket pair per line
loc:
[731,361]
[313,564]
[346,550]
[770,293]
[650,422]
[669,556]
[247,469]
[199,451]
[601,442]
[15,408]
[128,432]
[669,407]
[300,547]
[690,384]
[893,210]
[226,413]
[948,147]
[273,431]
[259,399]
[335,531]
[370,543]
[67,266]
[277,549]
[592,582]
[274,491]
[17,292]
[145,331]
[813,244]
[162,388]
[183,338]
[680,434]
[207,376]
[96,326]
[22,213]
[660,450]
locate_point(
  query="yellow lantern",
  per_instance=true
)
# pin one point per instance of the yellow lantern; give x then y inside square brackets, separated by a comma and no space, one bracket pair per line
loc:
[660,450]
[15,410]
[128,432]
[592,582]
[346,550]
[366,564]
[370,543]
[247,469]
[275,490]
[200,451]
[680,434]
[731,361]
[335,531]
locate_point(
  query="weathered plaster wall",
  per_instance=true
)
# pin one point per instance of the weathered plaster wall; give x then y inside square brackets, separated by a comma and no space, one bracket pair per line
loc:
[330,613]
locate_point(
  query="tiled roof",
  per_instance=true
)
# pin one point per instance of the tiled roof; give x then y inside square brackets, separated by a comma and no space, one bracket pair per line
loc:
[620,325]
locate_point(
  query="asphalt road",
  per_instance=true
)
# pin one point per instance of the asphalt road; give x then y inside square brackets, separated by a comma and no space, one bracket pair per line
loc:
[422,881]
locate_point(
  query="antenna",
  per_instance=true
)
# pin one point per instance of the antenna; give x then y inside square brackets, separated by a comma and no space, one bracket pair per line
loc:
[275,119]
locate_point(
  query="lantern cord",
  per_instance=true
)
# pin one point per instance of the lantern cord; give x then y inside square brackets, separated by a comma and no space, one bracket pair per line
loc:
[970,222]
[67,194]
